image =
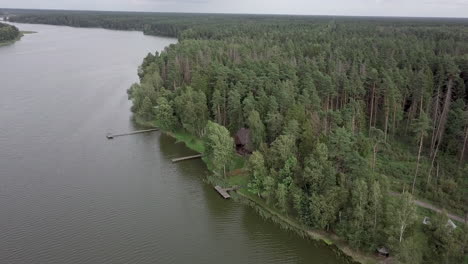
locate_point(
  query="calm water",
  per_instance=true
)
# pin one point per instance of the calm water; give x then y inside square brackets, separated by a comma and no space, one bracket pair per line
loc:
[68,195]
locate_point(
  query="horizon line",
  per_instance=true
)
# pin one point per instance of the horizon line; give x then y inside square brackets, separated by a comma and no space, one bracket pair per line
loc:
[221,13]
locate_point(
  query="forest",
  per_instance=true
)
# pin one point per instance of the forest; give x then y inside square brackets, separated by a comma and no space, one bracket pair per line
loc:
[8,33]
[349,119]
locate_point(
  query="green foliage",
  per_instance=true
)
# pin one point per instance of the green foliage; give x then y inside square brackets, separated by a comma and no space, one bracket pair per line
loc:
[219,147]
[8,33]
[257,128]
[338,111]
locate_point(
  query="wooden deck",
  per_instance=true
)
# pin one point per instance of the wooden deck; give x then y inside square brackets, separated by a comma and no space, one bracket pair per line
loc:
[222,192]
[187,158]
[111,136]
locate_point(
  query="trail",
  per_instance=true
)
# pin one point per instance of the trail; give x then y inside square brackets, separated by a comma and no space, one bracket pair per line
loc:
[434,208]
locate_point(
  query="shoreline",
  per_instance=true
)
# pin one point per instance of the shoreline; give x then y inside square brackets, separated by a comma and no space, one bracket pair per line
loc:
[21,35]
[336,243]
[6,43]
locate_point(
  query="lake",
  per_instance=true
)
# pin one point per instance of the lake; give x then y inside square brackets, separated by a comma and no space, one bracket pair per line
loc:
[69,195]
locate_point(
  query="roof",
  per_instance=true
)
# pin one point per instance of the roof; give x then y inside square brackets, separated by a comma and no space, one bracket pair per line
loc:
[383,250]
[243,137]
[451,224]
[426,220]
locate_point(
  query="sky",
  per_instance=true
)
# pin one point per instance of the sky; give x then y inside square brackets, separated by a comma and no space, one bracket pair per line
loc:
[419,8]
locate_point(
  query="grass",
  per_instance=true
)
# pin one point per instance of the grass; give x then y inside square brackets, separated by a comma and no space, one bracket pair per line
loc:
[398,162]
[192,142]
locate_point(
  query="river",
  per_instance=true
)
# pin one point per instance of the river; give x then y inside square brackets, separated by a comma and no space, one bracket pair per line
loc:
[69,195]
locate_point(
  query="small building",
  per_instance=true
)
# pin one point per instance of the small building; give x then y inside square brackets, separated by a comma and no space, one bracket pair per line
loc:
[426,221]
[383,251]
[243,142]
[451,224]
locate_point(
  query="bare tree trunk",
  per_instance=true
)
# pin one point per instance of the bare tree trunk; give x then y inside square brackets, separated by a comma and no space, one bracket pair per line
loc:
[225,108]
[402,229]
[372,108]
[386,123]
[394,120]
[442,122]
[375,156]
[464,146]
[419,152]
[417,164]
[325,119]
[432,165]
[411,114]
[375,111]
[435,118]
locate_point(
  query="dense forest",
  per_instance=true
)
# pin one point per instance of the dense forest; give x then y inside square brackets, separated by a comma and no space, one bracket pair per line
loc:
[349,119]
[8,33]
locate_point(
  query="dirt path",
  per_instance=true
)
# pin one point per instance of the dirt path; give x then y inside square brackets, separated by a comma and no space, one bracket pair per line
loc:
[434,208]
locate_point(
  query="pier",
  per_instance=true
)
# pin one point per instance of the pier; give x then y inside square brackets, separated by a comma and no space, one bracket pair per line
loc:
[224,191]
[111,136]
[187,158]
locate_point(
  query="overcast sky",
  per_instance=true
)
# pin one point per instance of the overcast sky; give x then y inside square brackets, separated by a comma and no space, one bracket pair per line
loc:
[432,8]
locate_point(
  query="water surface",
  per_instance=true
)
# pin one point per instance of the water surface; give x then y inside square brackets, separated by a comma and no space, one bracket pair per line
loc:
[68,195]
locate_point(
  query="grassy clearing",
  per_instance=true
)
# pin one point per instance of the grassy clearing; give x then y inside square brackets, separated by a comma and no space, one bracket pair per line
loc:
[192,142]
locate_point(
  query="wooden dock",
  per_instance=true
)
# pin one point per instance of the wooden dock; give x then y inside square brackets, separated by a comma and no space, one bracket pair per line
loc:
[111,136]
[222,192]
[187,158]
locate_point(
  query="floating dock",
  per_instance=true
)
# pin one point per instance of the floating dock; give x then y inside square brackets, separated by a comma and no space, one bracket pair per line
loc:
[187,158]
[111,136]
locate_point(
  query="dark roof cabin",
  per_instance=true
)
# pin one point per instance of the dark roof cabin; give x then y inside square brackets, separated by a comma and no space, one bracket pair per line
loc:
[242,139]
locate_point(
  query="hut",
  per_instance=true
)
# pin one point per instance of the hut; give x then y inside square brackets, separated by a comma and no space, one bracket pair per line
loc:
[242,140]
[451,224]
[426,221]
[383,251]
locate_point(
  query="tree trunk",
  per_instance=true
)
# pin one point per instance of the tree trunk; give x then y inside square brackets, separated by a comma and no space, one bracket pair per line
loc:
[432,165]
[435,118]
[442,122]
[375,156]
[394,120]
[372,108]
[386,123]
[417,163]
[463,147]
[402,229]
[325,119]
